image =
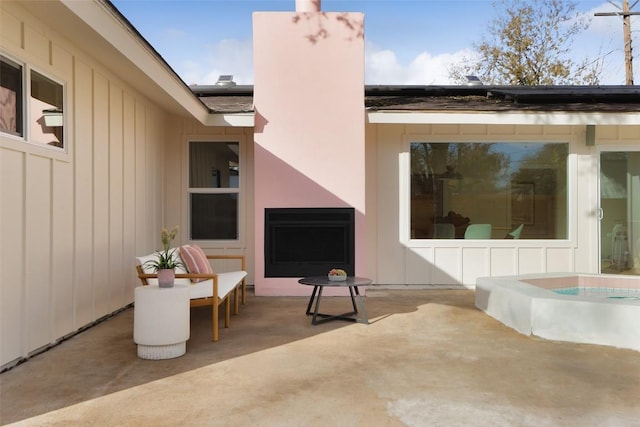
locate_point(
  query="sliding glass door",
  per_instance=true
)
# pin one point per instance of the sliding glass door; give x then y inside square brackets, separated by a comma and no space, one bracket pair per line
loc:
[620,212]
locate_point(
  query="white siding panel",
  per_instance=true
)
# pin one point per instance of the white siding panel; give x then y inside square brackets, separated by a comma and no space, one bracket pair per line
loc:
[371,200]
[36,43]
[62,251]
[504,261]
[62,61]
[606,134]
[531,130]
[129,196]
[10,29]
[100,195]
[83,195]
[559,260]
[12,261]
[390,248]
[447,266]
[446,129]
[422,129]
[154,140]
[476,130]
[419,265]
[501,130]
[116,201]
[531,260]
[476,263]
[144,224]
[38,237]
[630,134]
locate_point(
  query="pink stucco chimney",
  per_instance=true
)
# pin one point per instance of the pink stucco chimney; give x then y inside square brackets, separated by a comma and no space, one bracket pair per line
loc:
[307,5]
[309,142]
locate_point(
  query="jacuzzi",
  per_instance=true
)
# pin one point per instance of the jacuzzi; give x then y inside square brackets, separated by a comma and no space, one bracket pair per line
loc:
[529,305]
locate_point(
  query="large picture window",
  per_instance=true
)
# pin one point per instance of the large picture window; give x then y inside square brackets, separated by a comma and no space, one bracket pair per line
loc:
[214,190]
[488,190]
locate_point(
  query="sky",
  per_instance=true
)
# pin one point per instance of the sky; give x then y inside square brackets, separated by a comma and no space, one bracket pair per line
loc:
[407,42]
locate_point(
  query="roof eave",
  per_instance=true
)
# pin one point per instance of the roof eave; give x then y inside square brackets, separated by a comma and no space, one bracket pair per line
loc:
[97,26]
[503,117]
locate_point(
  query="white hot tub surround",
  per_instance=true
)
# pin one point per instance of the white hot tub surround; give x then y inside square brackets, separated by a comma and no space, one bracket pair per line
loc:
[527,304]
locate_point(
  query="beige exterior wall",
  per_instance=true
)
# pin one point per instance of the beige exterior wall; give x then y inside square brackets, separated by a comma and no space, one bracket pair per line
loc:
[72,220]
[400,260]
[181,131]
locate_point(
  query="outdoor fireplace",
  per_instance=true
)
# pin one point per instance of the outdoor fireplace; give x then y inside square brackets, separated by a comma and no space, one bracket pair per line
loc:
[302,242]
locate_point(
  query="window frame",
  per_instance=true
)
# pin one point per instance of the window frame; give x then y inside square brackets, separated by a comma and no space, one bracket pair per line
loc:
[240,190]
[21,135]
[405,189]
[25,141]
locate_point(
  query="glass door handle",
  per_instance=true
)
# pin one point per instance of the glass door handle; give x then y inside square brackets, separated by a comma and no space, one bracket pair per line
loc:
[600,214]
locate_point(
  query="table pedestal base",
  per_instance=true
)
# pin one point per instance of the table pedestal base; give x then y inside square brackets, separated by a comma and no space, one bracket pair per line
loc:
[352,316]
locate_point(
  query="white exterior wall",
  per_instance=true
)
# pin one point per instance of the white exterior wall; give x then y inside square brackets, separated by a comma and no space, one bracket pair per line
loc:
[398,260]
[72,221]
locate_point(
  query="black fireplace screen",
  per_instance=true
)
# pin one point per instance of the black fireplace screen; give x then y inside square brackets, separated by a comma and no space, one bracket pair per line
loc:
[308,241]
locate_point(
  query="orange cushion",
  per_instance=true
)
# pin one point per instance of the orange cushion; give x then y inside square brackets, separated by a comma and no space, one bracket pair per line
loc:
[195,260]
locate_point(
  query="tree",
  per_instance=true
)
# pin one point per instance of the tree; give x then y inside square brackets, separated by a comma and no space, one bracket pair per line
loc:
[530,44]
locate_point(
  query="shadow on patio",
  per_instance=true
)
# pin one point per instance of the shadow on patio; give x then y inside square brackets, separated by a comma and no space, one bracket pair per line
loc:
[428,357]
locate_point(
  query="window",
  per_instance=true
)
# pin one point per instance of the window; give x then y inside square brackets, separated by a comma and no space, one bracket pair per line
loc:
[44,106]
[511,190]
[214,190]
[11,97]
[46,111]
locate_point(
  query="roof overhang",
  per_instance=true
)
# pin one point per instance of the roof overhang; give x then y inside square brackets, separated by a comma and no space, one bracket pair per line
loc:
[99,29]
[503,117]
[231,119]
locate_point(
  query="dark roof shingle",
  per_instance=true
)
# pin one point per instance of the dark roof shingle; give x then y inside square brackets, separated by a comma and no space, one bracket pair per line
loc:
[239,99]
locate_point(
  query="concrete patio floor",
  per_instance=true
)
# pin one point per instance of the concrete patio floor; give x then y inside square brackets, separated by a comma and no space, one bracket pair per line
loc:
[428,358]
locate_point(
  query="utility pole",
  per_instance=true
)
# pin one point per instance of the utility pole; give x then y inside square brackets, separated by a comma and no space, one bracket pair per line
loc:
[625,12]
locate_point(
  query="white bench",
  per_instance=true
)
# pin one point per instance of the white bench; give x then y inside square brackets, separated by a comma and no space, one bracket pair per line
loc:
[217,287]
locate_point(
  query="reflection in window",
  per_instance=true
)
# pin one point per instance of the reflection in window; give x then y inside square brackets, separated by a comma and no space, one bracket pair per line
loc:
[517,189]
[10,97]
[214,216]
[213,165]
[214,188]
[46,109]
[44,105]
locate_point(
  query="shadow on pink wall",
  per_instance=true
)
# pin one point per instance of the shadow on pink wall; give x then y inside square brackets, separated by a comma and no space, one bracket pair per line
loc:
[283,186]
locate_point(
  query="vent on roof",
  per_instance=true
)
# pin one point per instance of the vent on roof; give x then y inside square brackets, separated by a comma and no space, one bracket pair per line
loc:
[473,81]
[225,80]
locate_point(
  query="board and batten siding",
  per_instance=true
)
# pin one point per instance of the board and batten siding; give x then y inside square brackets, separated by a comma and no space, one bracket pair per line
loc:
[398,260]
[183,131]
[72,220]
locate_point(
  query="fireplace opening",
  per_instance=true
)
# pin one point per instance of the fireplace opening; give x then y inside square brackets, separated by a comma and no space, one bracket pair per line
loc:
[308,241]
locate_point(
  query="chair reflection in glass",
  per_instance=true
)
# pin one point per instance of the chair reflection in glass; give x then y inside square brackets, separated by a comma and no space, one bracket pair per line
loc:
[478,231]
[515,233]
[444,231]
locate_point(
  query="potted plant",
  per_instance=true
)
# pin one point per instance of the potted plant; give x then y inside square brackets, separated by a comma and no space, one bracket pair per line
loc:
[166,262]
